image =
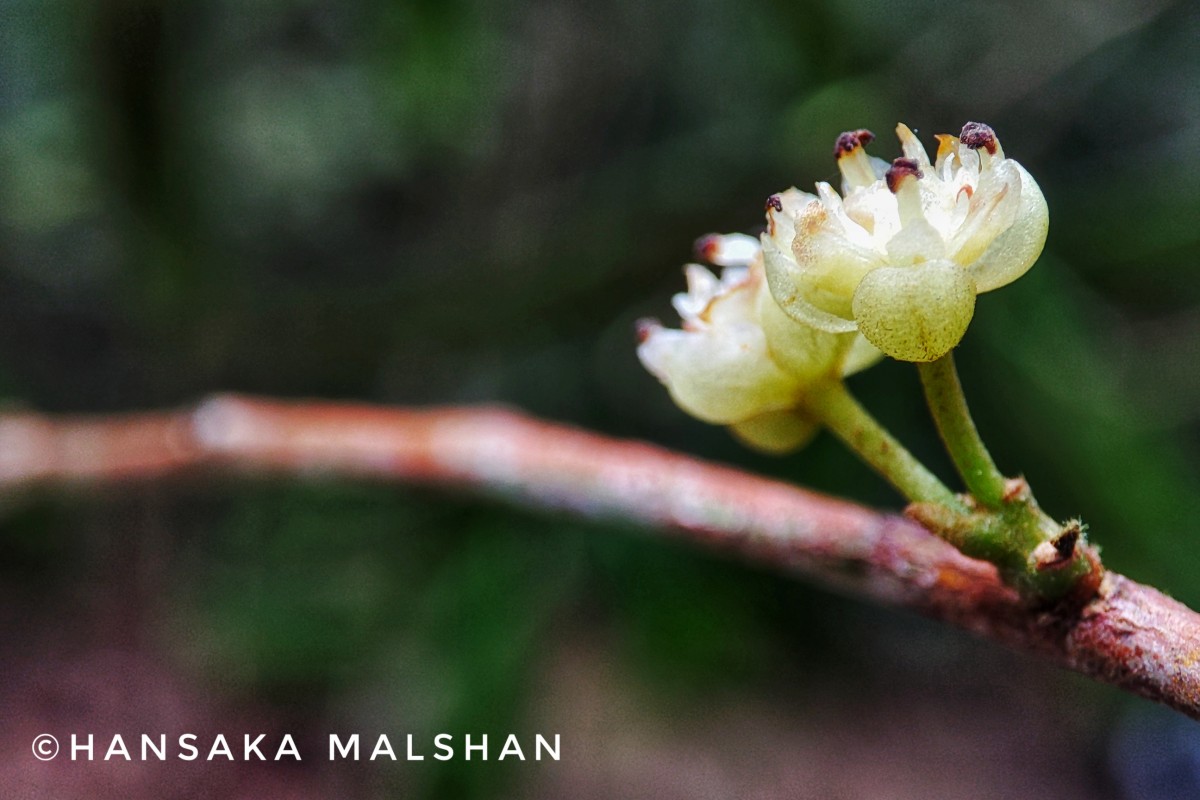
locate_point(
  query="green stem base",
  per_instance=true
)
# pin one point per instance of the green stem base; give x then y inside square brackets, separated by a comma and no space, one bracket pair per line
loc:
[1044,561]
[999,521]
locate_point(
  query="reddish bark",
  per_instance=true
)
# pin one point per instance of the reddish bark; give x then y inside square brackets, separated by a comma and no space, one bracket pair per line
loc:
[1129,635]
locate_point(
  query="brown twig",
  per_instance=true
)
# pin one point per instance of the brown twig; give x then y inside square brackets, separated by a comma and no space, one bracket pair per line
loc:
[1130,635]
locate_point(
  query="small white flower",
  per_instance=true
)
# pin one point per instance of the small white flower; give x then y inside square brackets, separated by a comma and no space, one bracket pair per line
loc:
[738,360]
[902,253]
[718,367]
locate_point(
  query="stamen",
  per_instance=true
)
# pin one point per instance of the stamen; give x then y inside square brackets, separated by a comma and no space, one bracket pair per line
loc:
[702,285]
[852,158]
[707,246]
[982,139]
[901,168]
[976,135]
[828,197]
[947,150]
[912,146]
[849,140]
[903,181]
[774,204]
[645,327]
[730,250]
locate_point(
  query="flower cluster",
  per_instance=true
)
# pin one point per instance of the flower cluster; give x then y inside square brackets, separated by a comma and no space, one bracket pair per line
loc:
[893,264]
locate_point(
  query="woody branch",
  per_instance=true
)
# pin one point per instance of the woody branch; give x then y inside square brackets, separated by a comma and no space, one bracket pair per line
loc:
[1129,635]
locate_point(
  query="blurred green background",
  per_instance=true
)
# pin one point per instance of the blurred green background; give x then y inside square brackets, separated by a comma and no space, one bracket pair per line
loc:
[471,201]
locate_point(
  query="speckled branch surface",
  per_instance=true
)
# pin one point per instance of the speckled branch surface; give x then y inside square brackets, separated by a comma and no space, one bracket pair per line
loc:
[1130,635]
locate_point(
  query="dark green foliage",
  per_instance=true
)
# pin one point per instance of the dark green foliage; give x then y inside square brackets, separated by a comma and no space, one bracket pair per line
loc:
[445,202]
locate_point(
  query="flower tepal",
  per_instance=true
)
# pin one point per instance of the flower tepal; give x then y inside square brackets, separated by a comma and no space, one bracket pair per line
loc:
[901,254]
[738,360]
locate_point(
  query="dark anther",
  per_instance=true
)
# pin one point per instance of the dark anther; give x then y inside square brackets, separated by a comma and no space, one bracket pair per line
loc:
[976,135]
[775,202]
[644,327]
[849,140]
[705,246]
[901,168]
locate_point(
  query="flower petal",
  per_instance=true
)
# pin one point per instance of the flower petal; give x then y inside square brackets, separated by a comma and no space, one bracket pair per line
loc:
[721,370]
[915,313]
[721,377]
[1013,252]
[777,432]
[993,208]
[782,210]
[804,352]
[788,287]
[830,253]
